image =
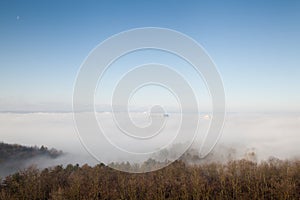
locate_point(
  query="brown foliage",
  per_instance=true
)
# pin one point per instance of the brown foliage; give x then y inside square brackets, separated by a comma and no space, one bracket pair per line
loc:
[240,179]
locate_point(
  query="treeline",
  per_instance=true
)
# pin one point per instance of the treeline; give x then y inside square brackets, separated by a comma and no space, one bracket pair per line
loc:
[14,157]
[239,179]
[16,151]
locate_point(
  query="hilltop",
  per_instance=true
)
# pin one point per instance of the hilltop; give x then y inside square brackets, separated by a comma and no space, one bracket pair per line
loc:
[14,157]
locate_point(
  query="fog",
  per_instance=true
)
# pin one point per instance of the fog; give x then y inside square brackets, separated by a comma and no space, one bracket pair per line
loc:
[271,134]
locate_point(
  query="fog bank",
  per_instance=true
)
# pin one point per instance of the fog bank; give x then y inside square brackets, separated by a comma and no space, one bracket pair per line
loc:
[275,134]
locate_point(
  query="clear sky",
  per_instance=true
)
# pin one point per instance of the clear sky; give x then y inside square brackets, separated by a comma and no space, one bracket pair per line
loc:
[255,45]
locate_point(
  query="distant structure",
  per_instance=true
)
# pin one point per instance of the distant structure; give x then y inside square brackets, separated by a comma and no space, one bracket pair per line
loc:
[206,117]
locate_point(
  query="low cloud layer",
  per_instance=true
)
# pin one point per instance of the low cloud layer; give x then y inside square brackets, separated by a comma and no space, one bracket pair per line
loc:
[276,134]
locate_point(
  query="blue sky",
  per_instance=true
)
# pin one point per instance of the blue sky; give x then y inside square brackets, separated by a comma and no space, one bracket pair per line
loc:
[255,45]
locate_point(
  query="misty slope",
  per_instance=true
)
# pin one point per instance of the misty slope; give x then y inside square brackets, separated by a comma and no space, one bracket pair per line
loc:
[14,157]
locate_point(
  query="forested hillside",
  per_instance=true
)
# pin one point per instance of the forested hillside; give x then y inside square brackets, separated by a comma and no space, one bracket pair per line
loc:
[14,157]
[240,179]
